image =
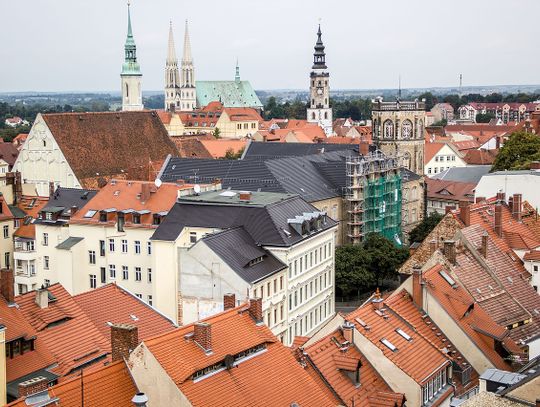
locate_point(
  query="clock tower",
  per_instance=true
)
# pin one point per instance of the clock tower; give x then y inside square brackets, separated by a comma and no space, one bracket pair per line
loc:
[319,110]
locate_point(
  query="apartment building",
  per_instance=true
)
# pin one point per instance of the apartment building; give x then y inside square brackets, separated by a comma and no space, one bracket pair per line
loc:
[273,246]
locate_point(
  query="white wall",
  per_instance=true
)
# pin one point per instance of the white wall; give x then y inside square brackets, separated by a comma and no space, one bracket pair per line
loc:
[527,184]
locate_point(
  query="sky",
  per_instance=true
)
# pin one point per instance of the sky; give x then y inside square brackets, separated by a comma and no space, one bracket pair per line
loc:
[77,45]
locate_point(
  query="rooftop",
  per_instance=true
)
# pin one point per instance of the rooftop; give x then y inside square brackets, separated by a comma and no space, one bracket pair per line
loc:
[470,174]
[236,198]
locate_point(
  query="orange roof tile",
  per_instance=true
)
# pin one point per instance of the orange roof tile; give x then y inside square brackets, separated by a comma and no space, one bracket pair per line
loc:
[219,148]
[449,190]
[431,149]
[270,377]
[32,205]
[480,157]
[112,304]
[533,255]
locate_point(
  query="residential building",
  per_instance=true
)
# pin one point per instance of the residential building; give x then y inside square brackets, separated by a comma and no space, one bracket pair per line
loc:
[15,121]
[278,244]
[440,157]
[228,359]
[442,194]
[319,110]
[3,386]
[131,75]
[8,155]
[507,112]
[398,130]
[471,174]
[7,223]
[442,111]
[86,150]
[412,202]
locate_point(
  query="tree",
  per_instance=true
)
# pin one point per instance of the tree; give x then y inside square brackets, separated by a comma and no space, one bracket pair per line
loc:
[518,152]
[231,155]
[384,257]
[430,99]
[419,233]
[484,117]
[217,133]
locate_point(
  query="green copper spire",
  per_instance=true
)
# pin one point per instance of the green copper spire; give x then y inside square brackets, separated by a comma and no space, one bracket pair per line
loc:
[130,65]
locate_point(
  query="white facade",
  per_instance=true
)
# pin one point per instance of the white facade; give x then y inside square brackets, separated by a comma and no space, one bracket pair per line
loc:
[445,158]
[132,92]
[525,182]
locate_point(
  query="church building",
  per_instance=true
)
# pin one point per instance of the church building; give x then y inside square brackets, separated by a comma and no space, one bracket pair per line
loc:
[319,110]
[131,74]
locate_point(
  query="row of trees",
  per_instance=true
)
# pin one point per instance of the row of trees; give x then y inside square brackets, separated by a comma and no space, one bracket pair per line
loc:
[456,100]
[518,152]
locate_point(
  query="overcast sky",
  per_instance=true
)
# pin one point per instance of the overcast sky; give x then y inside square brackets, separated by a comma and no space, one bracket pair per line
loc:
[63,45]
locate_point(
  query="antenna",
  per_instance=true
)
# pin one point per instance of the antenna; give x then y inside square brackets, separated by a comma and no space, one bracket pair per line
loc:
[460,83]
[399,87]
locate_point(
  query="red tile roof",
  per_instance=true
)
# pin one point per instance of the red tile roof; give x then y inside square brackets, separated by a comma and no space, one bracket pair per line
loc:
[328,359]
[112,304]
[192,147]
[431,150]
[480,157]
[533,255]
[449,190]
[270,377]
[32,205]
[219,148]
[8,153]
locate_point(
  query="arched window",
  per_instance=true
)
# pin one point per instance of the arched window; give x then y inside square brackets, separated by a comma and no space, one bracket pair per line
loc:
[414,194]
[313,115]
[127,90]
[388,129]
[407,160]
[326,115]
[406,129]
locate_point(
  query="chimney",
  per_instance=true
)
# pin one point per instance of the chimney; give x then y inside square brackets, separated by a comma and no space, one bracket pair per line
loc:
[203,336]
[377,301]
[448,209]
[498,220]
[139,400]
[245,196]
[255,309]
[7,285]
[348,331]
[450,251]
[51,188]
[418,297]
[364,148]
[33,386]
[484,247]
[465,212]
[74,210]
[501,197]
[497,142]
[145,191]
[229,301]
[479,199]
[511,204]
[42,298]
[17,186]
[535,165]
[432,246]
[124,338]
[516,207]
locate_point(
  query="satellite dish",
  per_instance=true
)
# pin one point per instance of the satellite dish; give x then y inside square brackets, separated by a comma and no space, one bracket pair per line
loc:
[158,182]
[197,188]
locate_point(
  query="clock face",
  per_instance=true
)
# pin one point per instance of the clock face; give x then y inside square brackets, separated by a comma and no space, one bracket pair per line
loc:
[406,129]
[319,91]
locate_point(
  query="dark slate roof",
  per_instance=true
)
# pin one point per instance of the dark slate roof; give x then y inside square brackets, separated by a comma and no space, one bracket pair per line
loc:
[408,175]
[237,248]
[17,212]
[257,150]
[313,177]
[266,224]
[69,243]
[67,197]
[471,173]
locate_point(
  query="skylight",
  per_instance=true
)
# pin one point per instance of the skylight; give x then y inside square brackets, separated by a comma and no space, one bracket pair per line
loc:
[404,334]
[388,344]
[90,213]
[448,279]
[228,193]
[361,322]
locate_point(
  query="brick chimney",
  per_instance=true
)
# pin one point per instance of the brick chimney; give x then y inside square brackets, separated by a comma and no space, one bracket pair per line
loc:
[203,336]
[51,188]
[73,210]
[484,247]
[450,251]
[7,285]
[145,191]
[465,212]
[348,331]
[124,338]
[377,301]
[479,199]
[517,207]
[501,197]
[17,187]
[432,246]
[418,297]
[498,226]
[245,196]
[229,301]
[255,309]
[33,386]
[42,298]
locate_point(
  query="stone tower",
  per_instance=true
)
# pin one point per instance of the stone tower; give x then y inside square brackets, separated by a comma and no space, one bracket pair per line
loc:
[319,110]
[398,129]
[188,95]
[172,77]
[131,74]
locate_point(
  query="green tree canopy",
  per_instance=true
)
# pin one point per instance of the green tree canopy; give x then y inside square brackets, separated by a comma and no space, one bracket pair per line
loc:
[419,233]
[518,152]
[484,117]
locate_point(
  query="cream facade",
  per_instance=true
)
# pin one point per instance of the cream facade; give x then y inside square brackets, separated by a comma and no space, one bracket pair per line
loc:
[447,157]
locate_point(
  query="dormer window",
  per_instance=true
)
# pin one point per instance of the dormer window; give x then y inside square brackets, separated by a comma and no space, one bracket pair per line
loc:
[256,260]
[120,221]
[103,216]
[48,215]
[137,218]
[157,219]
[305,228]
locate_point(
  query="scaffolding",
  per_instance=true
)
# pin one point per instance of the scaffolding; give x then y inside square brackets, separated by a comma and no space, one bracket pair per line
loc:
[373,196]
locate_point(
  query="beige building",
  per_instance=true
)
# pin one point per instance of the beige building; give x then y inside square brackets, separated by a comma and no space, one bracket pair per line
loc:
[412,202]
[3,377]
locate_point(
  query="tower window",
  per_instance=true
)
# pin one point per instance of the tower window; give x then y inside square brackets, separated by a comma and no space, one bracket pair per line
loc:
[326,115]
[127,90]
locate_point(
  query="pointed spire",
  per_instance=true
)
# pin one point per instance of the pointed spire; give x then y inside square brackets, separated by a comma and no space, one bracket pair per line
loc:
[319,57]
[237,75]
[187,46]
[129,38]
[130,65]
[171,54]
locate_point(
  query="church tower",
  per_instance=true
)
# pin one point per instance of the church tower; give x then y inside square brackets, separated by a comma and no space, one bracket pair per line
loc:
[319,110]
[188,95]
[131,74]
[172,77]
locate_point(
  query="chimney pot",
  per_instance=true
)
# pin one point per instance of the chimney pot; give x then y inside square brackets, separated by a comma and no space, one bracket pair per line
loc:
[484,248]
[465,212]
[229,301]
[42,298]
[498,220]
[255,309]
[432,246]
[7,285]
[450,251]
[203,336]
[501,197]
[348,331]
[139,400]
[33,386]
[517,207]
[377,301]
[418,297]
[124,338]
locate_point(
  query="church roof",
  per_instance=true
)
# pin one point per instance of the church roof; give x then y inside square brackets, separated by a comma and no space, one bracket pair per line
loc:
[230,93]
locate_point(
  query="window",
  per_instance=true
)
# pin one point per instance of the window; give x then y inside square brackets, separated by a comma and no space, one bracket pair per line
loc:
[111,245]
[92,256]
[138,274]
[7,258]
[149,247]
[137,247]
[125,272]
[45,239]
[149,273]
[139,296]
[102,248]
[112,271]
[535,268]
[46,262]
[192,237]
[136,218]
[103,216]
[46,282]
[268,289]
[281,283]
[149,300]
[120,221]
[6,231]
[16,223]
[93,281]
[124,246]
[103,273]
[275,285]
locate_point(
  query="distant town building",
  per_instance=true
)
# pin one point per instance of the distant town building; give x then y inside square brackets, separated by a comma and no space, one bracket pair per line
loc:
[442,111]
[131,74]
[441,156]
[319,110]
[506,112]
[15,121]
